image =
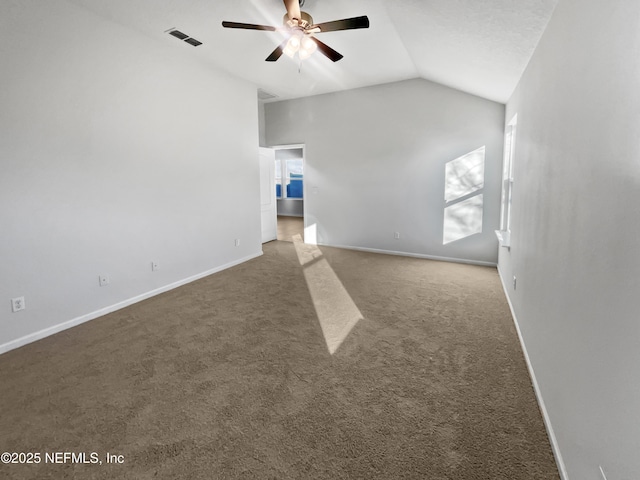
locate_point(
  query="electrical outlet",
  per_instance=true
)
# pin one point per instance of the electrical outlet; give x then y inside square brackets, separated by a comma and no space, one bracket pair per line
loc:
[514,282]
[103,280]
[17,304]
[396,235]
[237,242]
[154,266]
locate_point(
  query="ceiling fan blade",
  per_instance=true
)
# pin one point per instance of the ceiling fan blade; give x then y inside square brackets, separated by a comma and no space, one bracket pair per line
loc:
[277,53]
[345,24]
[293,9]
[327,51]
[248,26]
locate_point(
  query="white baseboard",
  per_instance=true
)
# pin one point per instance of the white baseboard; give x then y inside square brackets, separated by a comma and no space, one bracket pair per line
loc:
[413,255]
[40,334]
[545,415]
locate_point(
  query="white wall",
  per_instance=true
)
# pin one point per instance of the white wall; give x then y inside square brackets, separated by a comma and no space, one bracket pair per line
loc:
[375,164]
[115,151]
[576,231]
[261,124]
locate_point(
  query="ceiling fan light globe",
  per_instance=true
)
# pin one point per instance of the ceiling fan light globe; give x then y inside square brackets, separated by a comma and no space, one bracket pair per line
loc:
[294,43]
[308,43]
[307,48]
[303,53]
[288,51]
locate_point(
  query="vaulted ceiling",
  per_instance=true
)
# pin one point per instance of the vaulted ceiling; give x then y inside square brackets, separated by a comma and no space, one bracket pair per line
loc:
[481,47]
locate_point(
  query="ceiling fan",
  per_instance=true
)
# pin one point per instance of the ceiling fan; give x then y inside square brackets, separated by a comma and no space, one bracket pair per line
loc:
[300,30]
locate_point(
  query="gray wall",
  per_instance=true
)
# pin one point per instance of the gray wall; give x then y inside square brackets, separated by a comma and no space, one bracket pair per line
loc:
[116,151]
[575,231]
[375,163]
[289,207]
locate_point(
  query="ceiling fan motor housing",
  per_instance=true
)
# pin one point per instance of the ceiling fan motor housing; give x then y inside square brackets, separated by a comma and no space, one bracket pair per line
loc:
[304,22]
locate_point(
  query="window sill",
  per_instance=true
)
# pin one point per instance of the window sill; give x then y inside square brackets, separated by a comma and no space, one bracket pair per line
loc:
[504,238]
[289,198]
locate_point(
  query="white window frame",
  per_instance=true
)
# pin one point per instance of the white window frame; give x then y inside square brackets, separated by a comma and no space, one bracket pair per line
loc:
[504,234]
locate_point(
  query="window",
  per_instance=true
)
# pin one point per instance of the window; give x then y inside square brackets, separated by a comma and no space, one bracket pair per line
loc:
[504,234]
[293,176]
[464,201]
[289,176]
[278,178]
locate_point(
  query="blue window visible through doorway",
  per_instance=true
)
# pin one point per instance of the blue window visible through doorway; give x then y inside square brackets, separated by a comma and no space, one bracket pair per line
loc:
[289,173]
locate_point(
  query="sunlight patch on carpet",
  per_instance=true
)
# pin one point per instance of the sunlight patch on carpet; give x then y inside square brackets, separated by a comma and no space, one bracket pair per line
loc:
[336,311]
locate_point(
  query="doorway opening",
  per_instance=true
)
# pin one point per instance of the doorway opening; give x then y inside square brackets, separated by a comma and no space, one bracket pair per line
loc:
[290,191]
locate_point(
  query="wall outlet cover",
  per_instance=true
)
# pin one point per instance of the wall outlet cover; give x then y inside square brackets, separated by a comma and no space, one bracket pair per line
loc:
[17,304]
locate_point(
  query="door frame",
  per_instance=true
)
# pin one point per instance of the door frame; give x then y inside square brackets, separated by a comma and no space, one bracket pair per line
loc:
[267,156]
[294,146]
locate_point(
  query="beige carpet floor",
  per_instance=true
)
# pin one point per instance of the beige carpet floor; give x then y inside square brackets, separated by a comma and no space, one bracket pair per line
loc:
[289,226]
[233,377]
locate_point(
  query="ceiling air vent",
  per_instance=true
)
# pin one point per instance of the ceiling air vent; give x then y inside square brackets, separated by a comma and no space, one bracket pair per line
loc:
[183,36]
[262,95]
[178,34]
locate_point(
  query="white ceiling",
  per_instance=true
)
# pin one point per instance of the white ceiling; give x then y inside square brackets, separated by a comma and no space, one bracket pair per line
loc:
[480,47]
